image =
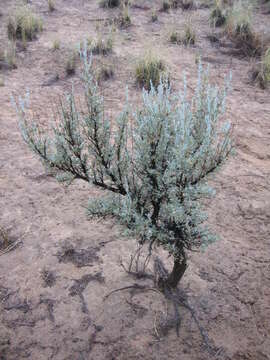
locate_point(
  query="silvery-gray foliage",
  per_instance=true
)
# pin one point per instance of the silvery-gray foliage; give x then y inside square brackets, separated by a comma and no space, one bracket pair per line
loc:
[154,161]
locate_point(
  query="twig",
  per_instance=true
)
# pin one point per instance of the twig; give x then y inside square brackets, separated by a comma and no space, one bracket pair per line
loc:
[135,286]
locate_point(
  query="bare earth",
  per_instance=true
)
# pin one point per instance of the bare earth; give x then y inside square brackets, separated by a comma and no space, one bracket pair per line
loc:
[52,285]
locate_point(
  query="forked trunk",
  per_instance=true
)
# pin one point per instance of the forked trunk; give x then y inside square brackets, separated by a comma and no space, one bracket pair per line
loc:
[177,273]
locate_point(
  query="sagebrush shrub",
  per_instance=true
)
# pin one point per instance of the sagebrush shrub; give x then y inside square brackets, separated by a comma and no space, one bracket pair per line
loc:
[153,163]
[23,24]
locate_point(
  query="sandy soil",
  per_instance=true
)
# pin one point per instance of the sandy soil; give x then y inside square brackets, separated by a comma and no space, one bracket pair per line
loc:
[53,283]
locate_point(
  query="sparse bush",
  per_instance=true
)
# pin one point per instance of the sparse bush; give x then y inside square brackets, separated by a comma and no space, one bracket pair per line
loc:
[109,3]
[261,73]
[240,31]
[51,5]
[154,164]
[23,24]
[2,82]
[149,71]
[71,63]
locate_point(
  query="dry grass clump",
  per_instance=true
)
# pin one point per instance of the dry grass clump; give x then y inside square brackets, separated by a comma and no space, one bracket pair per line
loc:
[187,4]
[71,63]
[175,37]
[165,5]
[240,31]
[8,56]
[149,71]
[109,3]
[4,239]
[218,14]
[187,37]
[23,24]
[56,45]
[174,4]
[261,74]
[100,46]
[267,6]
[48,277]
[154,16]
[124,19]
[51,5]
[106,72]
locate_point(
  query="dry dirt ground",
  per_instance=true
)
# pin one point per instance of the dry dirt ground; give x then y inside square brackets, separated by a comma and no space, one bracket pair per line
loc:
[53,283]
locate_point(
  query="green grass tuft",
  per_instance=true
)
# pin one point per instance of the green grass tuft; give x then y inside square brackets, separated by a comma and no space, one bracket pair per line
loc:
[150,70]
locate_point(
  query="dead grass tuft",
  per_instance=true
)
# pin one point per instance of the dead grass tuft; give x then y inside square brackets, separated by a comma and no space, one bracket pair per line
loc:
[71,63]
[106,72]
[187,37]
[260,74]
[218,14]
[23,24]
[51,5]
[240,31]
[109,3]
